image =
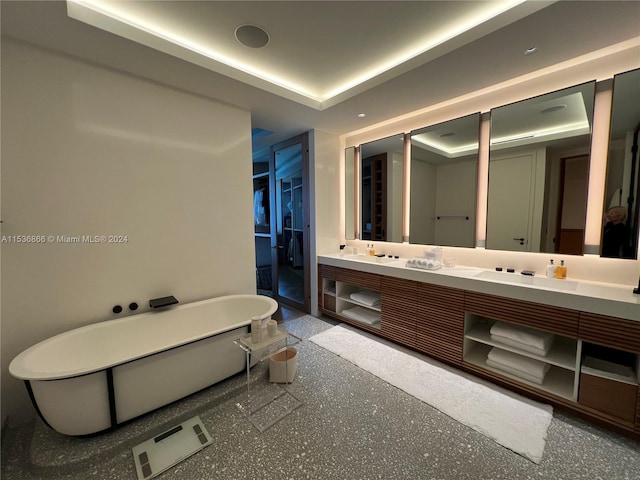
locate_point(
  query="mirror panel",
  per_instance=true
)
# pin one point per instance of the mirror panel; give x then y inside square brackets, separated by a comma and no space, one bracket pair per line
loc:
[349,193]
[381,173]
[620,225]
[539,171]
[444,178]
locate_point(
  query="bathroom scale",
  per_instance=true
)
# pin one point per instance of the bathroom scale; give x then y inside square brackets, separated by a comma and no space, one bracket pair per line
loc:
[169,448]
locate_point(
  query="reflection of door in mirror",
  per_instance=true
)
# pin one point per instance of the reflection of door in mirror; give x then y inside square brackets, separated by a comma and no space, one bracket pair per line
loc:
[515,201]
[573,211]
[543,136]
[623,168]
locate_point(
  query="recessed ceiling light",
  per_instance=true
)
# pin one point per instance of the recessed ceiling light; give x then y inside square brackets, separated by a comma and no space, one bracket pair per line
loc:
[554,108]
[531,50]
[362,115]
[252,36]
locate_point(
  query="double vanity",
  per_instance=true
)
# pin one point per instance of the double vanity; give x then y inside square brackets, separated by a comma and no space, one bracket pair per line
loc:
[591,366]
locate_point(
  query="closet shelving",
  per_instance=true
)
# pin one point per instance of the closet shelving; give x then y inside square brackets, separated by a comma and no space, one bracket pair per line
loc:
[292,220]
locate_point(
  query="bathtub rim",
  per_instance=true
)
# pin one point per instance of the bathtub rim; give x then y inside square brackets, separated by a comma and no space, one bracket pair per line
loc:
[19,371]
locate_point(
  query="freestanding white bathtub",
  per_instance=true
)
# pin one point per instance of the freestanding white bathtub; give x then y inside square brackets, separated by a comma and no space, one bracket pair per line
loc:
[93,378]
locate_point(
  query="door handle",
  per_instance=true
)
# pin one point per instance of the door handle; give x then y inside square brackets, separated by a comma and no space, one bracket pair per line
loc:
[521,240]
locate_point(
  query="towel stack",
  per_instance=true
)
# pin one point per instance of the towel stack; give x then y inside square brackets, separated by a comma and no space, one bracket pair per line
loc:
[518,365]
[362,315]
[522,338]
[366,297]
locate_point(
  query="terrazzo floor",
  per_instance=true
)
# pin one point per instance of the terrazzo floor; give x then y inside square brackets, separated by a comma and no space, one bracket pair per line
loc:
[352,426]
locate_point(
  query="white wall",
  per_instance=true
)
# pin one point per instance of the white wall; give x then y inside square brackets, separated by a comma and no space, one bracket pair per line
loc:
[90,151]
[456,196]
[326,177]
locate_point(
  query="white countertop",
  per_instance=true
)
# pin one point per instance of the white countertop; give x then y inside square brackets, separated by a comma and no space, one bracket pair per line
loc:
[594,297]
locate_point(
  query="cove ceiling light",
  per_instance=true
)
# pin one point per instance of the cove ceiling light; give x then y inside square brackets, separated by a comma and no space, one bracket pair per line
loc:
[125,19]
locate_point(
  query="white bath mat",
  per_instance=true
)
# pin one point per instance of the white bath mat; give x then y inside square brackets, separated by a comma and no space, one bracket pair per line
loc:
[165,450]
[509,419]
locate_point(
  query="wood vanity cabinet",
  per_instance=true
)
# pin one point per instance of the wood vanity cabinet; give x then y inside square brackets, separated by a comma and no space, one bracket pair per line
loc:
[399,303]
[610,331]
[440,322]
[453,325]
[535,315]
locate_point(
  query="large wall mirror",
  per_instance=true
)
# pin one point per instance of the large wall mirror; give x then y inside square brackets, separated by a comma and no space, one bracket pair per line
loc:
[381,172]
[444,172]
[349,193]
[620,224]
[539,172]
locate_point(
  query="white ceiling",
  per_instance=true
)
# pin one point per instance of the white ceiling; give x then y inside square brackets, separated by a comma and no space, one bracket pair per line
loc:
[327,61]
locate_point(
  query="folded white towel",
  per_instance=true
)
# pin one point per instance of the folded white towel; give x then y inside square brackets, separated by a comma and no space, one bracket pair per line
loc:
[529,336]
[366,297]
[522,346]
[363,315]
[515,373]
[523,364]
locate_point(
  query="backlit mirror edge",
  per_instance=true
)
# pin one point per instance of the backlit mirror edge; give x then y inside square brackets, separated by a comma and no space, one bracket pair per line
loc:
[590,249]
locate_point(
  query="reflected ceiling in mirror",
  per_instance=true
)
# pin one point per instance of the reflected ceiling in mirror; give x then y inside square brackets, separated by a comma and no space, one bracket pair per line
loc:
[620,229]
[539,172]
[444,170]
[381,178]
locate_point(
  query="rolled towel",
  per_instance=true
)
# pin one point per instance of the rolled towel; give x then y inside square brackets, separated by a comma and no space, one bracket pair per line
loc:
[366,297]
[363,315]
[516,373]
[529,366]
[521,346]
[528,336]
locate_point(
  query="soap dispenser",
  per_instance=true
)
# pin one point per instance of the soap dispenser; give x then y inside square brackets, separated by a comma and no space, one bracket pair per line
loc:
[561,271]
[551,269]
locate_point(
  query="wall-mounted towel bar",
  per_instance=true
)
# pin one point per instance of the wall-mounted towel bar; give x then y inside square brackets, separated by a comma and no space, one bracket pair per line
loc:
[440,217]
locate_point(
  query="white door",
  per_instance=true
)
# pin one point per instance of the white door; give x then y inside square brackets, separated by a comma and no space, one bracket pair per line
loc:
[508,211]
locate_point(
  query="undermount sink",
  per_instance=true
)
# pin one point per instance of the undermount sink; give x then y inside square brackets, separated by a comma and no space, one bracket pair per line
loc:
[371,259]
[517,278]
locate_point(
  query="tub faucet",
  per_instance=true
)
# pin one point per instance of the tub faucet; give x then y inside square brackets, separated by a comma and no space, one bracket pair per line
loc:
[162,302]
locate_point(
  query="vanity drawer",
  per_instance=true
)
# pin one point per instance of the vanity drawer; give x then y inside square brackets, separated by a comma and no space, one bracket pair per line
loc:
[612,332]
[612,397]
[356,278]
[329,302]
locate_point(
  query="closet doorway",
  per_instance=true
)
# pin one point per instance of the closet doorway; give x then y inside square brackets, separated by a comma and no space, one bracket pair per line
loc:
[290,239]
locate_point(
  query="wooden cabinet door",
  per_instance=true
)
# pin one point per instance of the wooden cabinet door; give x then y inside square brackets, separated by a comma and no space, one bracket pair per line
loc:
[440,322]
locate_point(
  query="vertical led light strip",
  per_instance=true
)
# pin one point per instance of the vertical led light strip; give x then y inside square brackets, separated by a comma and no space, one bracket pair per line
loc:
[406,189]
[483,181]
[356,192]
[598,167]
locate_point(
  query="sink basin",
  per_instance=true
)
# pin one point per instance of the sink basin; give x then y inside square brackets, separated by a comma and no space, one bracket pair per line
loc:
[370,259]
[519,279]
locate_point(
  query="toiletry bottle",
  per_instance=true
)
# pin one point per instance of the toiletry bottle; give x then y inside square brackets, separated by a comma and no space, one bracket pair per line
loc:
[561,271]
[372,252]
[551,269]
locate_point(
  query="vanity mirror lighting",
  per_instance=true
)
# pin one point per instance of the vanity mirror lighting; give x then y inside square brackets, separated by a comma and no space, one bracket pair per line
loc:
[621,206]
[381,178]
[539,171]
[443,184]
[349,193]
